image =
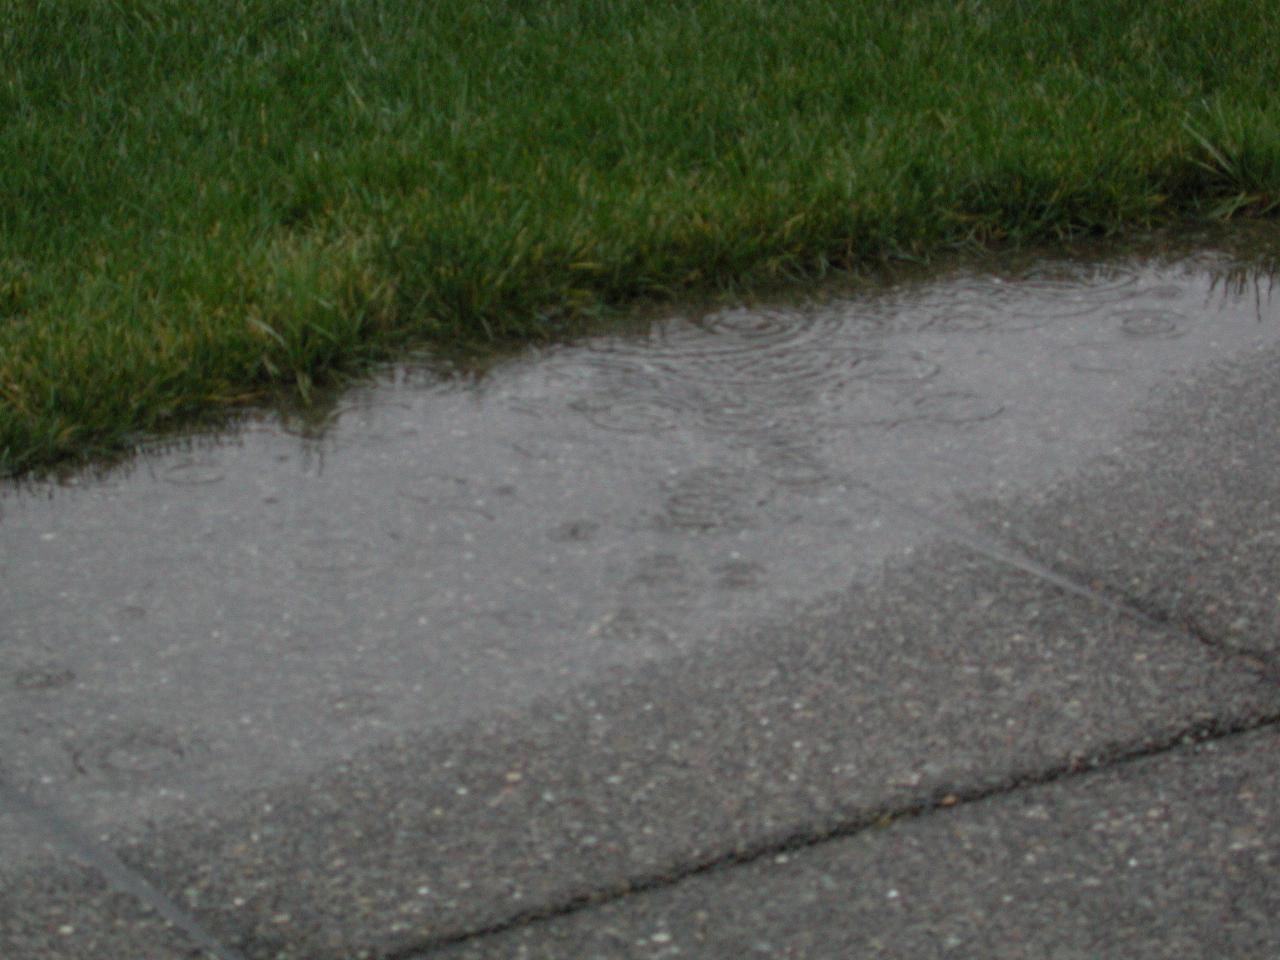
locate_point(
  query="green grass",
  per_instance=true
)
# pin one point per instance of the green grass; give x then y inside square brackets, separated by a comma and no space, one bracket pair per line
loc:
[202,203]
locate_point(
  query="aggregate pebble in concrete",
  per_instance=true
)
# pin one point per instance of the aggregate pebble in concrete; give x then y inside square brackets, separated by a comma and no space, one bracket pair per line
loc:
[952,673]
[1185,521]
[1170,857]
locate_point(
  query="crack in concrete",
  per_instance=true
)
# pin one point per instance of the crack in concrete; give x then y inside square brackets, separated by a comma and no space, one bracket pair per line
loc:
[1075,583]
[940,801]
[1259,661]
[120,877]
[1021,561]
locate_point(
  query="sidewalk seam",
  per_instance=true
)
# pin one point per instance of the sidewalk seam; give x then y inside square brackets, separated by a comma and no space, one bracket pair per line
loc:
[1070,582]
[941,801]
[64,833]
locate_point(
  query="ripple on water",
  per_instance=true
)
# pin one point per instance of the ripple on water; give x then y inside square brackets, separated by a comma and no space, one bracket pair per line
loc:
[611,386]
[964,320]
[713,498]
[636,414]
[1152,323]
[850,319]
[193,473]
[896,367]
[617,360]
[735,412]
[1046,293]
[756,348]
[1077,281]
[1108,356]
[732,372]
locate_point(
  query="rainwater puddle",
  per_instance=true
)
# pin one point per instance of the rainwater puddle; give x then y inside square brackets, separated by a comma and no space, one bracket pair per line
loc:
[243,609]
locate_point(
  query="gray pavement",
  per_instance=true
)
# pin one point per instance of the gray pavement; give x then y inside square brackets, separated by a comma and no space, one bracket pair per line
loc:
[935,620]
[1169,856]
[64,897]
[1190,534]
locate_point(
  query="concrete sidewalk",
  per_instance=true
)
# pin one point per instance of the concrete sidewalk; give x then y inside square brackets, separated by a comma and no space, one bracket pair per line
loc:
[971,649]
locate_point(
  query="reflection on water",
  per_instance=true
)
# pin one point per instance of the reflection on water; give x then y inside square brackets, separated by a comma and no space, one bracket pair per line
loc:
[431,549]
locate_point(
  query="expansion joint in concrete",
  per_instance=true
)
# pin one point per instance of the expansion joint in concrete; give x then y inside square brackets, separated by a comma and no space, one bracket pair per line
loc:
[65,835]
[940,801]
[1078,583]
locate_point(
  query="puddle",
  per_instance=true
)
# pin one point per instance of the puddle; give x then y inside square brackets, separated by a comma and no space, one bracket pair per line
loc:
[218,616]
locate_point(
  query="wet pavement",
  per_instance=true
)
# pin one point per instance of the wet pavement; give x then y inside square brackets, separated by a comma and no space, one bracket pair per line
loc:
[765,606]
[1169,856]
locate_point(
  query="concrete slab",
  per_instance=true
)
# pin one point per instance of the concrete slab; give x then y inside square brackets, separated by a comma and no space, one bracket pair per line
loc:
[1168,857]
[951,674]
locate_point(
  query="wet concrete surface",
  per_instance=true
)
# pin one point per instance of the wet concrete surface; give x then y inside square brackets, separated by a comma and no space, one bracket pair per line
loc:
[483,646]
[1192,535]
[58,898]
[1167,857]
[952,673]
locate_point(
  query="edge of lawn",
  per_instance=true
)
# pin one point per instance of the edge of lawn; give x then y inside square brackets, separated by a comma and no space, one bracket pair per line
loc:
[326,312]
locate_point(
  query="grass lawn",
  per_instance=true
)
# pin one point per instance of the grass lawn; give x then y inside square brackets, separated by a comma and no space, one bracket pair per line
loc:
[204,203]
